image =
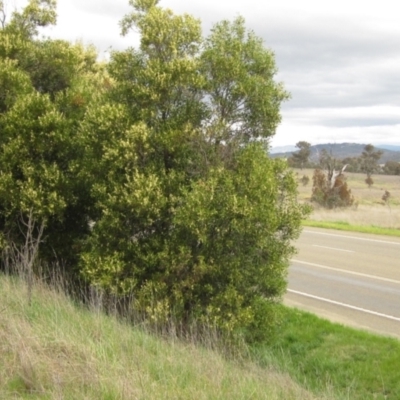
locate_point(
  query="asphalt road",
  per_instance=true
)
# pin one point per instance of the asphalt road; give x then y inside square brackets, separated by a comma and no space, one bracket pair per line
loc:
[347,277]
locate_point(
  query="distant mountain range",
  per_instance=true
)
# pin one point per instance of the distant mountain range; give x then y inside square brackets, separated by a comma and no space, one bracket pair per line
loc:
[341,150]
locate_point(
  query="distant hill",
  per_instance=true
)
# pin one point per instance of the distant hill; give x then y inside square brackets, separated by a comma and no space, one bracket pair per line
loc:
[343,150]
[388,147]
[283,149]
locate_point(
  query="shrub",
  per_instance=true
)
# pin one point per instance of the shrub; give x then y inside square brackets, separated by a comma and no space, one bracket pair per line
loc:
[369,181]
[331,192]
[386,196]
[222,257]
[305,180]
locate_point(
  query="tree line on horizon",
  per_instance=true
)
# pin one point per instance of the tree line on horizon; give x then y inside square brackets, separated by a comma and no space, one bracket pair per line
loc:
[367,162]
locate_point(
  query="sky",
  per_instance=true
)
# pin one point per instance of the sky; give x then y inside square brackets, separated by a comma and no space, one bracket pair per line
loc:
[339,60]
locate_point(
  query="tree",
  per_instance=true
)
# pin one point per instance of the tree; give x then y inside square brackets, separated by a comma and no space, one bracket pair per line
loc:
[353,164]
[330,188]
[392,168]
[300,158]
[190,213]
[369,162]
[242,95]
[149,175]
[36,14]
[45,87]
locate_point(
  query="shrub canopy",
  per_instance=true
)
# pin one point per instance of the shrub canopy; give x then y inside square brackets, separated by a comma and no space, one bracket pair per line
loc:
[149,172]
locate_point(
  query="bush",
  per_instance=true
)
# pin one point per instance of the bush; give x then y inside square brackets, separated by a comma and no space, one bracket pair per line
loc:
[386,196]
[305,180]
[220,260]
[369,181]
[331,193]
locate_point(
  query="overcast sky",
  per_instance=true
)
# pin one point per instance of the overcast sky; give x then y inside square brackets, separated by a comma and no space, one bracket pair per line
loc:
[340,60]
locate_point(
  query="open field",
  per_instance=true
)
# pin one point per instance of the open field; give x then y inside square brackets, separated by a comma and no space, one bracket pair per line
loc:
[369,208]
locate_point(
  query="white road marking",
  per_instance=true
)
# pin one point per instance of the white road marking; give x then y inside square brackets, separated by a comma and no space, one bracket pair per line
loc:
[344,305]
[347,272]
[352,237]
[333,248]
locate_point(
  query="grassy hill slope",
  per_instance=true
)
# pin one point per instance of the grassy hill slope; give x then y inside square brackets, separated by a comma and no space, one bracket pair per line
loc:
[54,349]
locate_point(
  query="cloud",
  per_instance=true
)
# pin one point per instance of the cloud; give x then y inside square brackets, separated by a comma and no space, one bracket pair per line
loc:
[339,60]
[289,133]
[114,9]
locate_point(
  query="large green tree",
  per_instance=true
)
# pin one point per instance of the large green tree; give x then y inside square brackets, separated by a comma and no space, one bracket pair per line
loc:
[148,175]
[191,215]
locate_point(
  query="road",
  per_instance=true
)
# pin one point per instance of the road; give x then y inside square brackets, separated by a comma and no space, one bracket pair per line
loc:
[347,277]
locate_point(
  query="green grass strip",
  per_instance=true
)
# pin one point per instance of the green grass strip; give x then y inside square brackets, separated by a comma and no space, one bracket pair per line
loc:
[320,354]
[345,226]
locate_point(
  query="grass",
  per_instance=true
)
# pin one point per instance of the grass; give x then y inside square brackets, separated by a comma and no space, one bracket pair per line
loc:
[369,214]
[321,354]
[346,226]
[55,349]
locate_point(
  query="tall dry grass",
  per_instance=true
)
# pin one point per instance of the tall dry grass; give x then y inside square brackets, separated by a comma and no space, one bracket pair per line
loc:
[368,209]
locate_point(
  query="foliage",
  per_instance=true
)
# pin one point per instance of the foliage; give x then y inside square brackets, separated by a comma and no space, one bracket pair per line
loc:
[243,97]
[36,14]
[45,86]
[328,162]
[369,162]
[386,197]
[369,181]
[195,220]
[226,251]
[305,179]
[353,164]
[149,174]
[301,157]
[392,168]
[330,188]
[331,191]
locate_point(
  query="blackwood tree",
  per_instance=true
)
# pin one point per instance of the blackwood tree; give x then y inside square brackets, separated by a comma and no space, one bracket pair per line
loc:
[148,175]
[45,87]
[193,217]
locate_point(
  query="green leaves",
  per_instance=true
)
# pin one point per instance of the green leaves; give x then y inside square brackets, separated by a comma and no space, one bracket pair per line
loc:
[150,171]
[13,83]
[38,13]
[244,98]
[369,162]
[193,217]
[32,137]
[45,88]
